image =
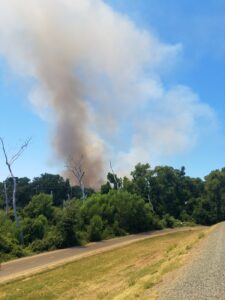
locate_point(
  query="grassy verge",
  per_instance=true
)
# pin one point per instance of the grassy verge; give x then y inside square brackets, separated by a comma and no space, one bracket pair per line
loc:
[126,273]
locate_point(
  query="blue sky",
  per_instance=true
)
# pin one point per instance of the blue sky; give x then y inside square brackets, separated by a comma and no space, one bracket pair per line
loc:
[200,29]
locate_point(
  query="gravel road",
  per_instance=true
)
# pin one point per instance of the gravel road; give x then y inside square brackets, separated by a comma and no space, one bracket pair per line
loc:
[204,277]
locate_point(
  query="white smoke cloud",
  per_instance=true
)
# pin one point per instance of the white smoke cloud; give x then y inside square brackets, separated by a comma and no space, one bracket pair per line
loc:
[173,125]
[95,71]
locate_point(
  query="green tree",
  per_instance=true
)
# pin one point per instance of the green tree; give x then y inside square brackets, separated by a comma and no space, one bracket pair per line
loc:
[215,191]
[41,204]
[142,181]
[54,185]
[70,224]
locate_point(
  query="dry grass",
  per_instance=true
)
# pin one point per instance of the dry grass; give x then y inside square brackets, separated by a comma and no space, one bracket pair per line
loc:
[126,273]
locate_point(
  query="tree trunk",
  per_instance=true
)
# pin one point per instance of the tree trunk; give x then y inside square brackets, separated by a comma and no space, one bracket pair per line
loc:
[14,201]
[82,190]
[15,211]
[6,200]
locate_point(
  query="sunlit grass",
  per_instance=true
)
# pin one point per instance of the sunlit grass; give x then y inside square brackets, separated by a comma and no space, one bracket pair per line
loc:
[126,273]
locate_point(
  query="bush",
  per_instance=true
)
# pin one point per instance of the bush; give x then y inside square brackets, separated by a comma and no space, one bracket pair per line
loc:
[70,225]
[39,245]
[117,230]
[95,229]
[122,211]
[108,233]
[10,248]
[34,228]
[170,221]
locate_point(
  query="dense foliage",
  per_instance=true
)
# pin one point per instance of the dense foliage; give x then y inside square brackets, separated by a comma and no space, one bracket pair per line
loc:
[53,215]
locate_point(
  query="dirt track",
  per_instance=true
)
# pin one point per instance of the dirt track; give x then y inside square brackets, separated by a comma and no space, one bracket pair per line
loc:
[30,265]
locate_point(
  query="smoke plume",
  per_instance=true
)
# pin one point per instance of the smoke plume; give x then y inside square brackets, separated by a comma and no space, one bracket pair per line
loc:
[96,80]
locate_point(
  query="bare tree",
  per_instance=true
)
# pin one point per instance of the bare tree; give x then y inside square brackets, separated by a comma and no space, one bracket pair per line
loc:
[9,163]
[78,173]
[117,184]
[149,193]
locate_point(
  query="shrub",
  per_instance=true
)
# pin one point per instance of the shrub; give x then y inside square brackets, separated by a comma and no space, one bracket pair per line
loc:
[10,248]
[34,228]
[70,225]
[39,245]
[170,221]
[123,211]
[108,233]
[95,229]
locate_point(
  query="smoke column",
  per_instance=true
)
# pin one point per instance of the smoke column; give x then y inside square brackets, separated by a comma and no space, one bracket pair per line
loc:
[94,70]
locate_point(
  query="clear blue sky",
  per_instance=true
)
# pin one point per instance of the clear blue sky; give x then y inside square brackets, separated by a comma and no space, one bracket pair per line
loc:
[198,25]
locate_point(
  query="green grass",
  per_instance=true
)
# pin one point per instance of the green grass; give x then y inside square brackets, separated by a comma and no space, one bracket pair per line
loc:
[125,273]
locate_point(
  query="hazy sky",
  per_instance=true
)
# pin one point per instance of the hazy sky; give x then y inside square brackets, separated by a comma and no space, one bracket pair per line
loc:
[171,69]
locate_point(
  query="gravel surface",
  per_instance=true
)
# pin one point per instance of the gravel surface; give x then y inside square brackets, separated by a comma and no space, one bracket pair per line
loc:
[204,277]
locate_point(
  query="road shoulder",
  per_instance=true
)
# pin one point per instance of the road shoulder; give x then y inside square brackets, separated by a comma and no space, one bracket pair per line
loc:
[172,278]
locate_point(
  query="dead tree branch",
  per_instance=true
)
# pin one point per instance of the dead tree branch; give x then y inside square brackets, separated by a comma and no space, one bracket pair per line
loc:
[9,163]
[78,173]
[114,176]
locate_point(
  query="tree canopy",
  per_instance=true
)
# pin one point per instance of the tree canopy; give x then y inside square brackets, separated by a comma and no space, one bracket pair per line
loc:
[52,214]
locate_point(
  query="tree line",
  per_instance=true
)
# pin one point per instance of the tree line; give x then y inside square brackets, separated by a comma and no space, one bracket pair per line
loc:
[53,214]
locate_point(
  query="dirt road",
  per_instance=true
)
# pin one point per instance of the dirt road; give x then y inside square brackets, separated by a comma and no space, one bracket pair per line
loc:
[34,264]
[204,277]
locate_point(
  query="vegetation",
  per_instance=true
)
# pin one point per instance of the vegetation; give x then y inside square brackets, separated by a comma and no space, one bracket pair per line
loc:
[53,214]
[109,275]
